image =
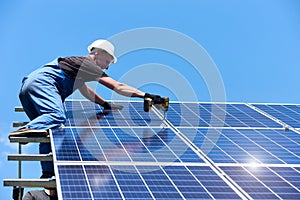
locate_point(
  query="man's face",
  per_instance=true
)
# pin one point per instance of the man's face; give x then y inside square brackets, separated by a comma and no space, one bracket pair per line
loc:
[103,59]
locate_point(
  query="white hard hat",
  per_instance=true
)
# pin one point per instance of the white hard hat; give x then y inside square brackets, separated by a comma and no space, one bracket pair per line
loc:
[105,45]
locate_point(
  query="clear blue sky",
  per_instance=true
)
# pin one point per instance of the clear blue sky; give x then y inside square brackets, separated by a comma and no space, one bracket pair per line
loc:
[255,45]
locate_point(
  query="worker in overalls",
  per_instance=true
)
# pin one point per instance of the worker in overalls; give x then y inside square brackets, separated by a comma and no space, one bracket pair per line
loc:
[44,91]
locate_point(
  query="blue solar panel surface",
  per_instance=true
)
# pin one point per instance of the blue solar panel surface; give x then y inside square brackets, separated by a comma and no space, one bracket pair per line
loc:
[235,115]
[142,182]
[289,114]
[115,144]
[267,182]
[202,151]
[266,146]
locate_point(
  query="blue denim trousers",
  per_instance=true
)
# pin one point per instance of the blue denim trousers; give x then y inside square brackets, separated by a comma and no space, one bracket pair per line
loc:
[42,95]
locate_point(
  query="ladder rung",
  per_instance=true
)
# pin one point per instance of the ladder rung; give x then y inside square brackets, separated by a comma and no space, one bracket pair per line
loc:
[29,139]
[30,183]
[19,109]
[19,124]
[30,157]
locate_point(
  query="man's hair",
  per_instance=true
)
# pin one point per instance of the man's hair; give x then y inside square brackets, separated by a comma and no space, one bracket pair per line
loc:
[94,50]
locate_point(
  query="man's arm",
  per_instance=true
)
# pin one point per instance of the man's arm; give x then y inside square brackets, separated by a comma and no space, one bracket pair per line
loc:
[91,95]
[121,88]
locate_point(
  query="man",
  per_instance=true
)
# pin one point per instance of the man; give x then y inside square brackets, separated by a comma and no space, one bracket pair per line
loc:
[45,89]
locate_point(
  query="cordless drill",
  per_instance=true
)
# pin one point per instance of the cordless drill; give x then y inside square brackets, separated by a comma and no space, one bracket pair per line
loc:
[160,103]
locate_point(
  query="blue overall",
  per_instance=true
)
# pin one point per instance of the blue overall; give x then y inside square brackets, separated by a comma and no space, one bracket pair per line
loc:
[42,95]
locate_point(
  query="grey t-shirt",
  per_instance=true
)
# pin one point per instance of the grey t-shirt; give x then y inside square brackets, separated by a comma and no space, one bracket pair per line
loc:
[81,68]
[38,195]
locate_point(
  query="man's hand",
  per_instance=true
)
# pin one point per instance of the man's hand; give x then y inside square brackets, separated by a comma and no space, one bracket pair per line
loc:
[110,106]
[155,98]
[160,102]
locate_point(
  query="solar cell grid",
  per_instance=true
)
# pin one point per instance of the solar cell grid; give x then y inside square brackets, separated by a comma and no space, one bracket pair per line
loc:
[248,145]
[73,183]
[115,144]
[131,154]
[201,115]
[263,182]
[102,183]
[289,114]
[84,113]
[142,182]
[290,174]
[65,145]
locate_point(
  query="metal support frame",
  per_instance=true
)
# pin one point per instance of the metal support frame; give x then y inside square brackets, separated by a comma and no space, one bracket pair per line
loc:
[19,124]
[30,183]
[25,140]
[30,157]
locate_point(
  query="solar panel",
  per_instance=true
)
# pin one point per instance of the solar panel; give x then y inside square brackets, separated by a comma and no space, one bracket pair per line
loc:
[266,182]
[85,113]
[142,182]
[126,144]
[266,146]
[200,115]
[289,114]
[202,151]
